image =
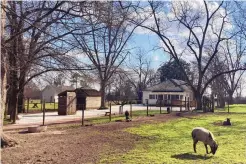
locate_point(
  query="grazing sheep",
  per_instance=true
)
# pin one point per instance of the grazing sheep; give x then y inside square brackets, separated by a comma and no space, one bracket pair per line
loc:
[205,136]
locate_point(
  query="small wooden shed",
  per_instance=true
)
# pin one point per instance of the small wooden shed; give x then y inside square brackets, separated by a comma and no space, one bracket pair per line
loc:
[67,103]
[90,97]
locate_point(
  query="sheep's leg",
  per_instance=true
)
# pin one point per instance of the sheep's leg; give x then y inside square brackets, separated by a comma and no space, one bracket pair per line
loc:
[206,148]
[194,145]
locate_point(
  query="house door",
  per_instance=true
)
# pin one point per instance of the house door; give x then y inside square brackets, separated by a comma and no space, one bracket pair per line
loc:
[160,97]
[80,102]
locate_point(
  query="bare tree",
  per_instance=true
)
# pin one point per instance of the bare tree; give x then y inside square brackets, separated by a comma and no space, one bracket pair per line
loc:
[240,88]
[35,44]
[5,140]
[139,73]
[105,44]
[218,84]
[206,28]
[234,52]
[122,90]
[32,43]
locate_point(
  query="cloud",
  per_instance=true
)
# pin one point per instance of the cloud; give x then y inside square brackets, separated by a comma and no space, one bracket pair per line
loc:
[156,58]
[142,30]
[179,34]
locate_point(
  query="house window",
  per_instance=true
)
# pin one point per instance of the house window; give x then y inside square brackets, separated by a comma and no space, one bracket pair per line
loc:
[165,97]
[181,97]
[175,97]
[151,96]
[160,97]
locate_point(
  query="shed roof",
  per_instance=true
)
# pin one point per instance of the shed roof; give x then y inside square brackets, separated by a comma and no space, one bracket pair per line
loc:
[59,89]
[64,93]
[87,92]
[171,85]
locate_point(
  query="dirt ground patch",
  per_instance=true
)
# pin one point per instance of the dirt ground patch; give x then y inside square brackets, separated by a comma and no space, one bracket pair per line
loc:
[71,143]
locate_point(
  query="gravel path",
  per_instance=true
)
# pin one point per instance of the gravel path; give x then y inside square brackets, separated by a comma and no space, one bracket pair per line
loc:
[53,117]
[74,144]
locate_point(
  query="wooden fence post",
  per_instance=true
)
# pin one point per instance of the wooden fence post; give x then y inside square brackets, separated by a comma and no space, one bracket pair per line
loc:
[27,108]
[188,103]
[131,110]
[213,103]
[54,104]
[43,111]
[110,112]
[83,114]
[228,102]
[147,102]
[41,102]
[180,105]
[171,106]
[185,103]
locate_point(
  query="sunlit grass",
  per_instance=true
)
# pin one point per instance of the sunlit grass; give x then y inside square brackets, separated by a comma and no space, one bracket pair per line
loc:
[48,107]
[236,108]
[171,142]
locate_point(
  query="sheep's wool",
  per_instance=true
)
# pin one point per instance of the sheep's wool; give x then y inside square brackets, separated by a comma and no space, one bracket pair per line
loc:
[202,134]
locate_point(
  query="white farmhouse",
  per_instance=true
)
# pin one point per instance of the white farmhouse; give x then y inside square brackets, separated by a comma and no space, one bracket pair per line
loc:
[169,90]
[50,92]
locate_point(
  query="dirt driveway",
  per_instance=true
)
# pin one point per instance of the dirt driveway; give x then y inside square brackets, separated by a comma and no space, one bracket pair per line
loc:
[71,143]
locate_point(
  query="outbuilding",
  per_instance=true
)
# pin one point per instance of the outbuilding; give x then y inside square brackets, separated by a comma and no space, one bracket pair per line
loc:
[90,97]
[70,101]
[67,103]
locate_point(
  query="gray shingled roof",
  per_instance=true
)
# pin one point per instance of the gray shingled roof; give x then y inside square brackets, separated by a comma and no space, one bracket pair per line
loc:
[83,92]
[87,92]
[171,85]
[59,89]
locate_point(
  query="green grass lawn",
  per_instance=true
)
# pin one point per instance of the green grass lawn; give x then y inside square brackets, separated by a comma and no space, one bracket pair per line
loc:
[236,108]
[171,142]
[48,107]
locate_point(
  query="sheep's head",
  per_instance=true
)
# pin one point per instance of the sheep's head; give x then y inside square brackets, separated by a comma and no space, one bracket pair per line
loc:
[214,148]
[214,145]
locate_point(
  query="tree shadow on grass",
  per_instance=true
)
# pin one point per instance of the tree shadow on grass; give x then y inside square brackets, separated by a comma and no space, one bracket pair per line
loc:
[190,156]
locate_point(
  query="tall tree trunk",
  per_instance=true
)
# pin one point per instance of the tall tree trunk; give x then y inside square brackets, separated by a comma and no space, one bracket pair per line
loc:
[8,111]
[13,69]
[199,105]
[221,101]
[21,103]
[13,84]
[3,65]
[102,94]
[230,94]
[212,103]
[139,94]
[5,141]
[12,107]
[3,92]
